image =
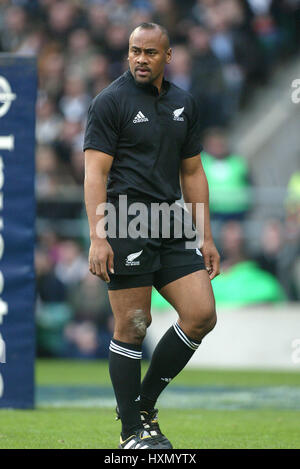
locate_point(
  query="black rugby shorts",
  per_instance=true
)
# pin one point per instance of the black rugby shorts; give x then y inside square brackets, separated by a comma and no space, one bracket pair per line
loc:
[147,261]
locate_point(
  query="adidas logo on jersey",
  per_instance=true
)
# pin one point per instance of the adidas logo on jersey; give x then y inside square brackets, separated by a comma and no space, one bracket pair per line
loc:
[140,118]
[167,380]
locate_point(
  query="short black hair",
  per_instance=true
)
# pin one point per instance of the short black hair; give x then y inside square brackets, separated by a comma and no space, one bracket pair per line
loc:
[155,26]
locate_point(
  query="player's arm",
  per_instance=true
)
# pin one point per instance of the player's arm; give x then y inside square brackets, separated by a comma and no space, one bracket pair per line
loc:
[97,167]
[195,190]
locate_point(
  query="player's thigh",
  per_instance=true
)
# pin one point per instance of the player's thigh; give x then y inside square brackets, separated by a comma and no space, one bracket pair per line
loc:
[131,306]
[192,297]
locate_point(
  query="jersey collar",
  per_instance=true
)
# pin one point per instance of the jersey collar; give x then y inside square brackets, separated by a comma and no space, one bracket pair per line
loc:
[149,88]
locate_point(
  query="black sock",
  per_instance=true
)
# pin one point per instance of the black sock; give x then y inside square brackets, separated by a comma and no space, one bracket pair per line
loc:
[125,374]
[170,356]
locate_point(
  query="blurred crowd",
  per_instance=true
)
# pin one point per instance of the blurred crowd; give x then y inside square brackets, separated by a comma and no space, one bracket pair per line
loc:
[222,51]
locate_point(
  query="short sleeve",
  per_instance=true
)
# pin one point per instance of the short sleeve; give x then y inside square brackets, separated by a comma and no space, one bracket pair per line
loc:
[102,127]
[192,145]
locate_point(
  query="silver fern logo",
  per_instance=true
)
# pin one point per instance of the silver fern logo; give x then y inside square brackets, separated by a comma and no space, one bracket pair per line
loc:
[130,259]
[177,114]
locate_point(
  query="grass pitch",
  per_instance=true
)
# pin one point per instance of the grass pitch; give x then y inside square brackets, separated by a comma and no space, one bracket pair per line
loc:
[241,419]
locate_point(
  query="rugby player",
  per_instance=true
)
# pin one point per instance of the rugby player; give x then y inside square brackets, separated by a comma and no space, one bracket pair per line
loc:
[142,140]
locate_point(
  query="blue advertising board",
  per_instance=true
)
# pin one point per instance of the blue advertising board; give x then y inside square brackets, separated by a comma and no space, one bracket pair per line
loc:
[18,88]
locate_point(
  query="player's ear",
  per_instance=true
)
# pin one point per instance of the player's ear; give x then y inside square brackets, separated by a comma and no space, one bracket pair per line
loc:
[168,55]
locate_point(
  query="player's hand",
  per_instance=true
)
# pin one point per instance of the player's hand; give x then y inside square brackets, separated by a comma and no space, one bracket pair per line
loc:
[211,258]
[101,259]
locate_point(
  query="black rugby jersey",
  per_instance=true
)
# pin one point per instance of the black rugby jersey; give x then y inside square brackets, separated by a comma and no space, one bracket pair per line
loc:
[146,133]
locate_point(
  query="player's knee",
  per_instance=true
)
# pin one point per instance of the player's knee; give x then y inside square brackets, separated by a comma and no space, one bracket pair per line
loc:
[205,322]
[140,321]
[132,327]
[211,322]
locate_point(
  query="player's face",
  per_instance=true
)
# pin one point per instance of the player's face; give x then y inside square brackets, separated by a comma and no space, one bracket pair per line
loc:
[148,55]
